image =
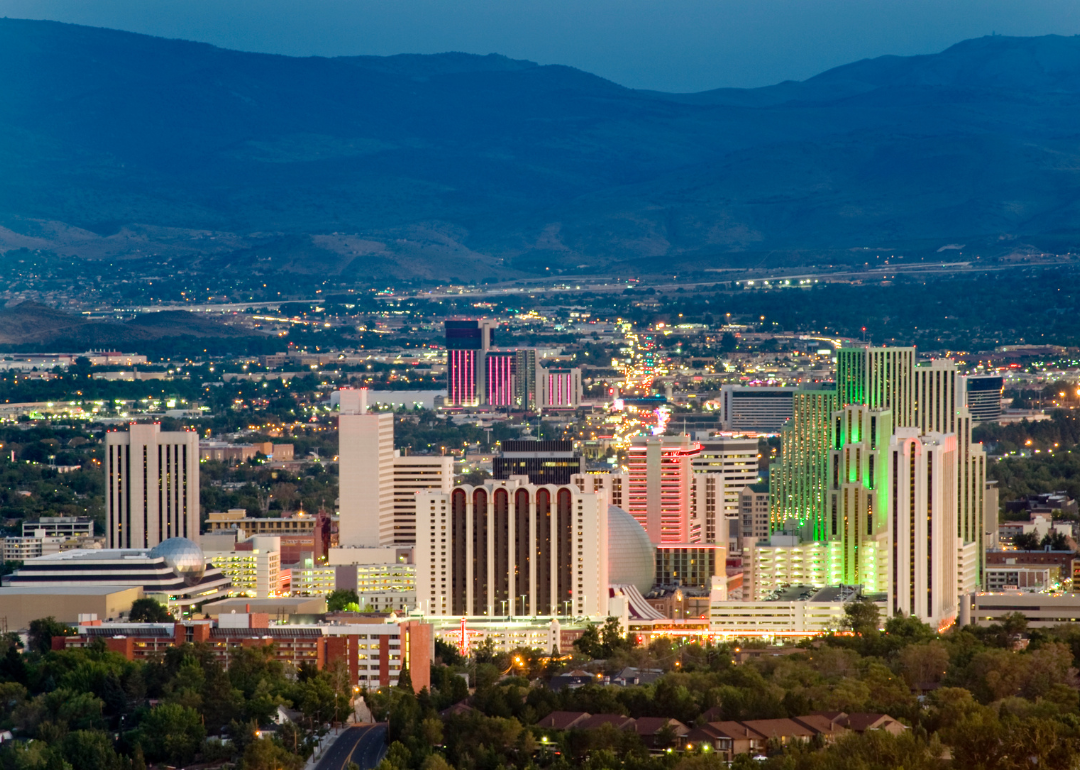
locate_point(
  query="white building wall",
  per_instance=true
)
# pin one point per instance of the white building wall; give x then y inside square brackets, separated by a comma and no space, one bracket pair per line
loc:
[365,473]
[413,474]
[435,554]
[924,530]
[152,486]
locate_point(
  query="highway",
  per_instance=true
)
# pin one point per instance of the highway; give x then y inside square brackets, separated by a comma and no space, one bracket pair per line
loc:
[364,745]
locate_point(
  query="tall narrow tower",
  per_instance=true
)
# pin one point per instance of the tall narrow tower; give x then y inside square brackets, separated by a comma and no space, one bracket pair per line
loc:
[365,472]
[659,491]
[151,486]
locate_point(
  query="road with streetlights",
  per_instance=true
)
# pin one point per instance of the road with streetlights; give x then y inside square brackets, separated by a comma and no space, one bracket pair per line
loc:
[364,744]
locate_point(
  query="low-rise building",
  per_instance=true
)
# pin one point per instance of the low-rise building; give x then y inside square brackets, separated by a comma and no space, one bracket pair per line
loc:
[795,611]
[375,652]
[1040,610]
[59,526]
[253,566]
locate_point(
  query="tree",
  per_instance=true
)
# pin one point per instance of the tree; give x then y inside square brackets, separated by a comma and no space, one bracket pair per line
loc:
[336,601]
[172,733]
[1026,541]
[43,630]
[728,343]
[147,610]
[268,754]
[862,616]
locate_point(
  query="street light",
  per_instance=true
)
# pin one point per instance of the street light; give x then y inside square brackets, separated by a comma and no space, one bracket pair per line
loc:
[523,597]
[503,606]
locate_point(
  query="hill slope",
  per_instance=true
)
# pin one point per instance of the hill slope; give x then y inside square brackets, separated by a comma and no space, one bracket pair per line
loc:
[115,144]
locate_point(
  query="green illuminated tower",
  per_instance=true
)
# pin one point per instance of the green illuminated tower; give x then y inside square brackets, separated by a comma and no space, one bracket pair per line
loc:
[798,482]
[880,378]
[859,493]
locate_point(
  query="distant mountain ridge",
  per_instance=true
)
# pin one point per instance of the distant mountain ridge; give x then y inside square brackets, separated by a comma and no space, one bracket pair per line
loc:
[122,145]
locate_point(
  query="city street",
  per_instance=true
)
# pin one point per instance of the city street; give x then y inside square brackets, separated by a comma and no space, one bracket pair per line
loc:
[365,745]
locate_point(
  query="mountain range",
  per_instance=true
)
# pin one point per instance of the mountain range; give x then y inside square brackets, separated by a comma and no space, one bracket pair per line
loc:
[117,145]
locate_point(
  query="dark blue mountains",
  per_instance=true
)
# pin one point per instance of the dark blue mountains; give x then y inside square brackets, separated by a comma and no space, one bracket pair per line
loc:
[449,166]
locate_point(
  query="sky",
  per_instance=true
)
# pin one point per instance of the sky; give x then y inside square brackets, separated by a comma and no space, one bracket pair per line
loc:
[668,45]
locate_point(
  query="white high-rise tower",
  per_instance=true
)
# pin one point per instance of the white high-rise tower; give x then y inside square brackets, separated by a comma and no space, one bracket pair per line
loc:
[151,486]
[365,473]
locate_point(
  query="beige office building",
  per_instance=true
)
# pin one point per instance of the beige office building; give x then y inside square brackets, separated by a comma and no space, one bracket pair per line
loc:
[151,486]
[365,473]
[510,549]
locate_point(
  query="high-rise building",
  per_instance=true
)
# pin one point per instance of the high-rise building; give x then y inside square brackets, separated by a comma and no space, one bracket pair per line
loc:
[512,549]
[939,408]
[151,486]
[414,474]
[365,473]
[500,370]
[560,388]
[479,375]
[526,379]
[753,514]
[752,408]
[735,461]
[798,482]
[859,494]
[982,396]
[614,485]
[467,346]
[925,546]
[543,461]
[880,378]
[708,523]
[661,474]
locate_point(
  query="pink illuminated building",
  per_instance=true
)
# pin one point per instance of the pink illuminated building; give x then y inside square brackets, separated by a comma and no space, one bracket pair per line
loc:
[659,491]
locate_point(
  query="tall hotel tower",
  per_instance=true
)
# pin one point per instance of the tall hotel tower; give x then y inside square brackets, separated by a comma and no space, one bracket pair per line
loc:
[151,486]
[366,472]
[467,347]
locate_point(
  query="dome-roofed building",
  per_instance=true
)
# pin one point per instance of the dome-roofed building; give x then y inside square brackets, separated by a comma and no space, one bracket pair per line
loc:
[185,558]
[174,569]
[631,555]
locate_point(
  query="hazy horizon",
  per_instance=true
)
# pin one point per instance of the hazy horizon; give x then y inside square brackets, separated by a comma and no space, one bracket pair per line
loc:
[680,45]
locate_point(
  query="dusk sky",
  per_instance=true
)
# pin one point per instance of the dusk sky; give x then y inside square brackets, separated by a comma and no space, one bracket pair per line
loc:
[672,45]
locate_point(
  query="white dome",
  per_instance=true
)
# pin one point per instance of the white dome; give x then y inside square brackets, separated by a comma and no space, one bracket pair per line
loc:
[631,556]
[184,557]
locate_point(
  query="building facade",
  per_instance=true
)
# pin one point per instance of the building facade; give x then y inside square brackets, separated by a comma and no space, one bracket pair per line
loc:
[924,534]
[151,486]
[412,475]
[548,461]
[659,494]
[757,409]
[511,549]
[798,483]
[365,472]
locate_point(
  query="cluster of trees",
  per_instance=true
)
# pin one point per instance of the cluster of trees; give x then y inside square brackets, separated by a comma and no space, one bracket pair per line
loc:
[999,698]
[36,449]
[90,709]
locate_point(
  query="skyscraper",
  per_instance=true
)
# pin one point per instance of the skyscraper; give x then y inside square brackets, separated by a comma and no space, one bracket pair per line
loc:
[859,494]
[467,345]
[798,482]
[735,463]
[414,474]
[880,378]
[659,490]
[512,549]
[151,486]
[939,408]
[365,473]
[923,528]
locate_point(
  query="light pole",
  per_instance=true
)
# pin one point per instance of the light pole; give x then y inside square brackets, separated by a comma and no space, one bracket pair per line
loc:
[503,606]
[523,596]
